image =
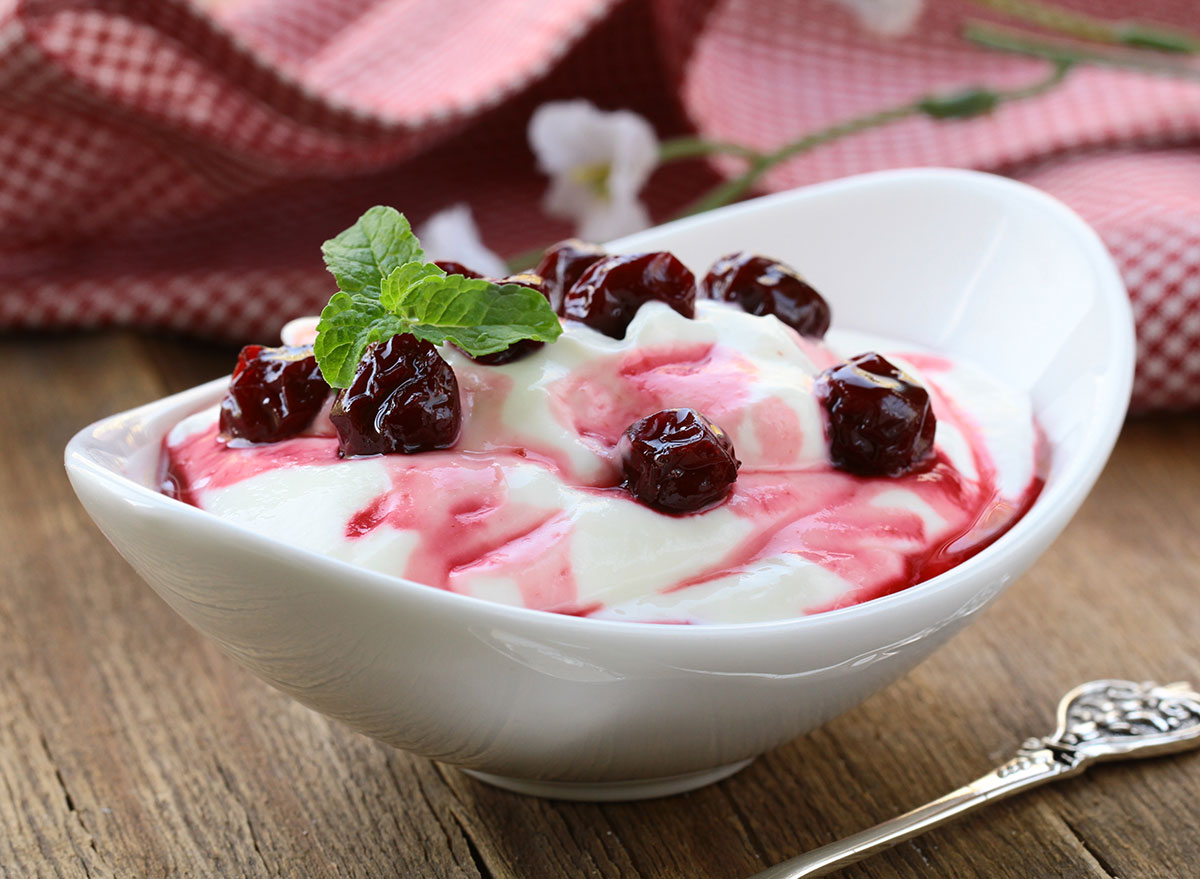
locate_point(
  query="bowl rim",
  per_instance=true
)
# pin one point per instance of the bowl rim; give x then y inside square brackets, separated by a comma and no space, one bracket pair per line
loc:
[1051,510]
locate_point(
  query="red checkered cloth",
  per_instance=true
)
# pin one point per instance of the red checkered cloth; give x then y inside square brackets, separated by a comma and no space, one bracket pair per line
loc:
[172,168]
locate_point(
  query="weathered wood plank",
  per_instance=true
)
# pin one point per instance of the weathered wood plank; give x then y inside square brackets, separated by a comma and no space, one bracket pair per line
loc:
[44,834]
[130,747]
[139,751]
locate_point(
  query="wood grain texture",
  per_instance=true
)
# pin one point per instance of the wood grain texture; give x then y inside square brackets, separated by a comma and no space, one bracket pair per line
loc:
[129,747]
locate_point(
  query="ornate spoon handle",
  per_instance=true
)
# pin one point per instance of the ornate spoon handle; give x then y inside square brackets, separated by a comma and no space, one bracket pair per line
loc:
[1099,720]
[1023,771]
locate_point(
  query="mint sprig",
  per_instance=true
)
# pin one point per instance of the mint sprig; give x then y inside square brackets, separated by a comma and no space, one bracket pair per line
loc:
[386,287]
[348,324]
[379,242]
[475,314]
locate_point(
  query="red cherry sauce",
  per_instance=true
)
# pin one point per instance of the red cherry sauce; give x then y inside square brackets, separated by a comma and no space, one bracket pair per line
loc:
[830,517]
[457,500]
[601,400]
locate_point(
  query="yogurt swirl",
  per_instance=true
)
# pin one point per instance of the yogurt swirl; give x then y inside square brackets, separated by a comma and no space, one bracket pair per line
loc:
[526,509]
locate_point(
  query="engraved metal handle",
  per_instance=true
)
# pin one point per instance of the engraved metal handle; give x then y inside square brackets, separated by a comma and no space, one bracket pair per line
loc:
[1099,720]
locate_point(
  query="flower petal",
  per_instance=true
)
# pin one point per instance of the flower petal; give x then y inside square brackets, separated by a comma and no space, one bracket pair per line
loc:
[635,155]
[890,18]
[598,162]
[567,134]
[451,234]
[570,199]
[613,219]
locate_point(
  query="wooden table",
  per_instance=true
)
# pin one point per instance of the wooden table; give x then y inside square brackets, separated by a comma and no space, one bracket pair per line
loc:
[129,747]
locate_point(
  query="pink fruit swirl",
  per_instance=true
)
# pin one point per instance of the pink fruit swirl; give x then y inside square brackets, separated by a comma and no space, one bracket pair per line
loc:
[457,501]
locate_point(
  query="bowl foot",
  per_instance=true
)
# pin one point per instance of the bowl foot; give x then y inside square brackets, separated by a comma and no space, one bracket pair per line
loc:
[611,791]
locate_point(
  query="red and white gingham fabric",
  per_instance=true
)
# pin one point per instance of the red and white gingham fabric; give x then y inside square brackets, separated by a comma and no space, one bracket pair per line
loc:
[172,168]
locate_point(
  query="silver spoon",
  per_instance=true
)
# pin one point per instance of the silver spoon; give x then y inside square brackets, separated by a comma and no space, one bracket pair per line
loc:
[1099,720]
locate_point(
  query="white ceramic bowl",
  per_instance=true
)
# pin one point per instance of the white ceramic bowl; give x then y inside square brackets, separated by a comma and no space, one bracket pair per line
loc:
[965,263]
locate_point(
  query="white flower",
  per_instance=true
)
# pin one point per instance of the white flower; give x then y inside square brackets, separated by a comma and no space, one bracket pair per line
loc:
[889,18]
[451,234]
[598,162]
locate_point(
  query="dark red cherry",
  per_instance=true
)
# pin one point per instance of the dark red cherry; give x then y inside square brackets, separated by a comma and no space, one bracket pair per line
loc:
[677,461]
[880,421]
[403,398]
[515,351]
[525,347]
[563,264]
[456,268]
[608,295]
[274,393]
[765,286]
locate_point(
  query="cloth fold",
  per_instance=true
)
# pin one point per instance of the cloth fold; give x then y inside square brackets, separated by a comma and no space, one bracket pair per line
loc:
[176,168]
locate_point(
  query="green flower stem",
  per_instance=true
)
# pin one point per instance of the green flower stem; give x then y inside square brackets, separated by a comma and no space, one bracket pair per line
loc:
[957,105]
[1142,35]
[736,187]
[972,102]
[1021,42]
[1062,67]
[1054,18]
[696,147]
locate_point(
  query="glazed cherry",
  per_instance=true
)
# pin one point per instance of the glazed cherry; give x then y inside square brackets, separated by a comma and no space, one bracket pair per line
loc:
[607,296]
[273,394]
[879,419]
[525,347]
[677,461]
[456,268]
[563,264]
[761,285]
[403,398]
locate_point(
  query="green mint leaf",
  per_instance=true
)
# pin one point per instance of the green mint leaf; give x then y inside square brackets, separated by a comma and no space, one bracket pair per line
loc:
[379,242]
[386,288]
[396,284]
[349,323]
[477,315]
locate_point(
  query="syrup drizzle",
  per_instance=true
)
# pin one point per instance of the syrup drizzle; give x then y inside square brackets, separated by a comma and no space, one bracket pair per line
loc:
[457,502]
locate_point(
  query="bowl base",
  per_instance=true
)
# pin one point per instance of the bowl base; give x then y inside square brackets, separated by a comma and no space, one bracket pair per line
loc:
[611,791]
